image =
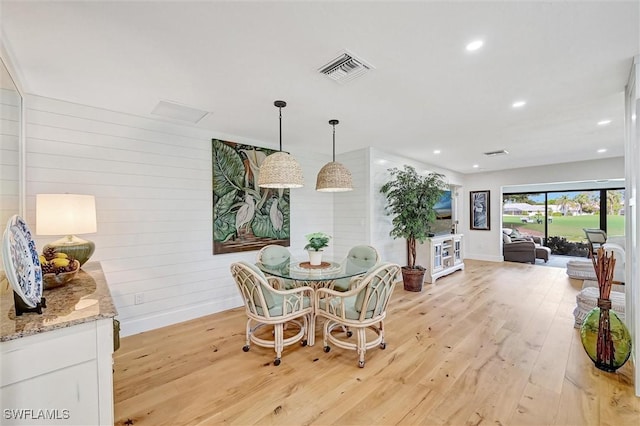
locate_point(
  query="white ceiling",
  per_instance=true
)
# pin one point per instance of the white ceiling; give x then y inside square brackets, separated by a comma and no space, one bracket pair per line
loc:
[569,61]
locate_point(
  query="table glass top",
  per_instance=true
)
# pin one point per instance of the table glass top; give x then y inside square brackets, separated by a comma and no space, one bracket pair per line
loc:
[303,271]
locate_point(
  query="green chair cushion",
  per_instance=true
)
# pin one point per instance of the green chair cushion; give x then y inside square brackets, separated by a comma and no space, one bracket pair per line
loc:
[351,312]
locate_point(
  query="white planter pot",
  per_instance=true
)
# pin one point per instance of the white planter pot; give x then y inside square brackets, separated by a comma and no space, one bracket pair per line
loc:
[315,257]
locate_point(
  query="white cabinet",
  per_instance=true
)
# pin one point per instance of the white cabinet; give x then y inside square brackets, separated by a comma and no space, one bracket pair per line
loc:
[440,255]
[56,367]
[63,376]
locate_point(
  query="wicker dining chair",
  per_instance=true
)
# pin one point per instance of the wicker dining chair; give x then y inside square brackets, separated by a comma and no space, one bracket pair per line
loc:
[358,309]
[277,257]
[267,306]
[358,256]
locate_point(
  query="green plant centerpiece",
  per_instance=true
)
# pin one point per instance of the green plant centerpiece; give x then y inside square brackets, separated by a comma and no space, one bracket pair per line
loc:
[316,242]
[411,199]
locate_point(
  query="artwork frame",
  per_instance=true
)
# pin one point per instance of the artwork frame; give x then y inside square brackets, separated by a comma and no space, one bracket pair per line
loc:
[246,217]
[480,211]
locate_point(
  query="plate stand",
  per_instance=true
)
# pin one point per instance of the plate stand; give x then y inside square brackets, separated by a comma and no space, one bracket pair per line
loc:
[22,307]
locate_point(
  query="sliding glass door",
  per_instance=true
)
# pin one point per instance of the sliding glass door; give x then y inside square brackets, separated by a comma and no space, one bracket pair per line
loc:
[561,216]
[615,213]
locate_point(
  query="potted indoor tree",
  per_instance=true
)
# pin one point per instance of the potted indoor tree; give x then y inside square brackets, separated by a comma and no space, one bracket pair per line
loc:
[411,198]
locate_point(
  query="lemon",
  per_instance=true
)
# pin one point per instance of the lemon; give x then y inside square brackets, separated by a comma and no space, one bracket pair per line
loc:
[60,262]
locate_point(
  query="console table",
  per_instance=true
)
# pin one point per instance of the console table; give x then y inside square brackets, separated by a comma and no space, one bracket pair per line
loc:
[57,366]
[440,255]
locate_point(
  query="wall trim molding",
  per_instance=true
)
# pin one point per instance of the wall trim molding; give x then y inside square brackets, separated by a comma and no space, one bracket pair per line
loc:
[131,326]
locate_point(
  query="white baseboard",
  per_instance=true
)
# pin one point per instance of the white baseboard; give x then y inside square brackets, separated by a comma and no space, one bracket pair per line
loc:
[484,257]
[132,326]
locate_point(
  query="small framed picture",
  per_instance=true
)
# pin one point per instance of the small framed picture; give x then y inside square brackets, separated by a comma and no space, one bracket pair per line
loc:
[480,218]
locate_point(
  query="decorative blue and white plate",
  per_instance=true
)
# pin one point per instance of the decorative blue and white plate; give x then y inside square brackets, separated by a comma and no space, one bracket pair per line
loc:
[21,261]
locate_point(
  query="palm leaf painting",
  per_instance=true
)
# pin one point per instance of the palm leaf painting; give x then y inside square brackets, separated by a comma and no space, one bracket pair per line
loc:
[245,216]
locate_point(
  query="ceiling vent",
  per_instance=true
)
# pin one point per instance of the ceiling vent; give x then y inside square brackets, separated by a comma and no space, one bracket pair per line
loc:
[345,68]
[494,153]
[177,111]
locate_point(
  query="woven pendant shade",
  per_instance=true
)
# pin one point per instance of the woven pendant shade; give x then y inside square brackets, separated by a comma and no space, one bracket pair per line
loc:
[334,177]
[280,170]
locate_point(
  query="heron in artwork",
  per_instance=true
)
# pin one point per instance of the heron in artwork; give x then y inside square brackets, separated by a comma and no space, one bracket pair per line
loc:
[277,218]
[245,212]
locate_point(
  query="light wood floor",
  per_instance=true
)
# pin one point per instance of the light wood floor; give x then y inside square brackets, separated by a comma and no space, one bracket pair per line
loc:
[493,344]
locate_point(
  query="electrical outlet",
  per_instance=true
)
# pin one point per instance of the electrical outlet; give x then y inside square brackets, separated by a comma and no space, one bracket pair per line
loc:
[138,298]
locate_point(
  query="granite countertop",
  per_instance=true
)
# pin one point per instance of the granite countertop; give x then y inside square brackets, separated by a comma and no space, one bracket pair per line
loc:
[85,298]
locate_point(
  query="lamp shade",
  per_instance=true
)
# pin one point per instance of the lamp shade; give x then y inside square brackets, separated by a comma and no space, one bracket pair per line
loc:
[280,170]
[334,177]
[65,214]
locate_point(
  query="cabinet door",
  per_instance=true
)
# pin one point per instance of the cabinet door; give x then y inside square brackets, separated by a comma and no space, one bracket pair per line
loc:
[437,256]
[67,396]
[457,250]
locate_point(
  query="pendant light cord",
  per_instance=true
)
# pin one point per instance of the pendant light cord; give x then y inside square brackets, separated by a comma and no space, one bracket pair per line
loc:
[334,143]
[333,123]
[280,114]
[280,105]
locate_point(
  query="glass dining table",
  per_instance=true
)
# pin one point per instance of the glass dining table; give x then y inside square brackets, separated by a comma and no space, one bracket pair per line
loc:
[316,276]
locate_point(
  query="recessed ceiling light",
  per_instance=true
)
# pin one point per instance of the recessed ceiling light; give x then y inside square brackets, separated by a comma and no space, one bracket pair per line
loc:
[475,166]
[474,45]
[518,104]
[604,122]
[601,150]
[436,151]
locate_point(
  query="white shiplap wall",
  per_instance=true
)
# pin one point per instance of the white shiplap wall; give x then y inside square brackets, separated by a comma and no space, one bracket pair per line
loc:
[9,155]
[351,209]
[152,183]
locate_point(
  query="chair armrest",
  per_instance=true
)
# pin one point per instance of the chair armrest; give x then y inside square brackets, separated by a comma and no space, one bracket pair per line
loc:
[536,239]
[323,292]
[276,282]
[355,281]
[520,246]
[295,300]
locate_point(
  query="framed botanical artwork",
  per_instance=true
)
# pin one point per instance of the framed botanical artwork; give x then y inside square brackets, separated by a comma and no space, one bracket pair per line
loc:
[245,216]
[480,218]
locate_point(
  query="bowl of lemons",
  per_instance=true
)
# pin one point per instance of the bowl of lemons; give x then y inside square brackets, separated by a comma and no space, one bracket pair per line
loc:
[57,268]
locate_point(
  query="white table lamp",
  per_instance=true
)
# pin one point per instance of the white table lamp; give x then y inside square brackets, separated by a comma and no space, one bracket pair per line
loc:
[67,214]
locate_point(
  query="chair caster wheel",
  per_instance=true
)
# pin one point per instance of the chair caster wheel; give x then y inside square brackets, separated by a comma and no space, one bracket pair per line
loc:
[276,362]
[245,348]
[361,364]
[349,333]
[327,348]
[383,345]
[304,342]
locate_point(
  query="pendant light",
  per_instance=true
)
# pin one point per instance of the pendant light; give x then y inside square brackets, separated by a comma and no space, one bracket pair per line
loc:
[280,170]
[334,177]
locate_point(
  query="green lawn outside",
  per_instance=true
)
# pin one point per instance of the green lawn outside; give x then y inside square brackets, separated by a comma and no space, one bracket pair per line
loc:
[569,227]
